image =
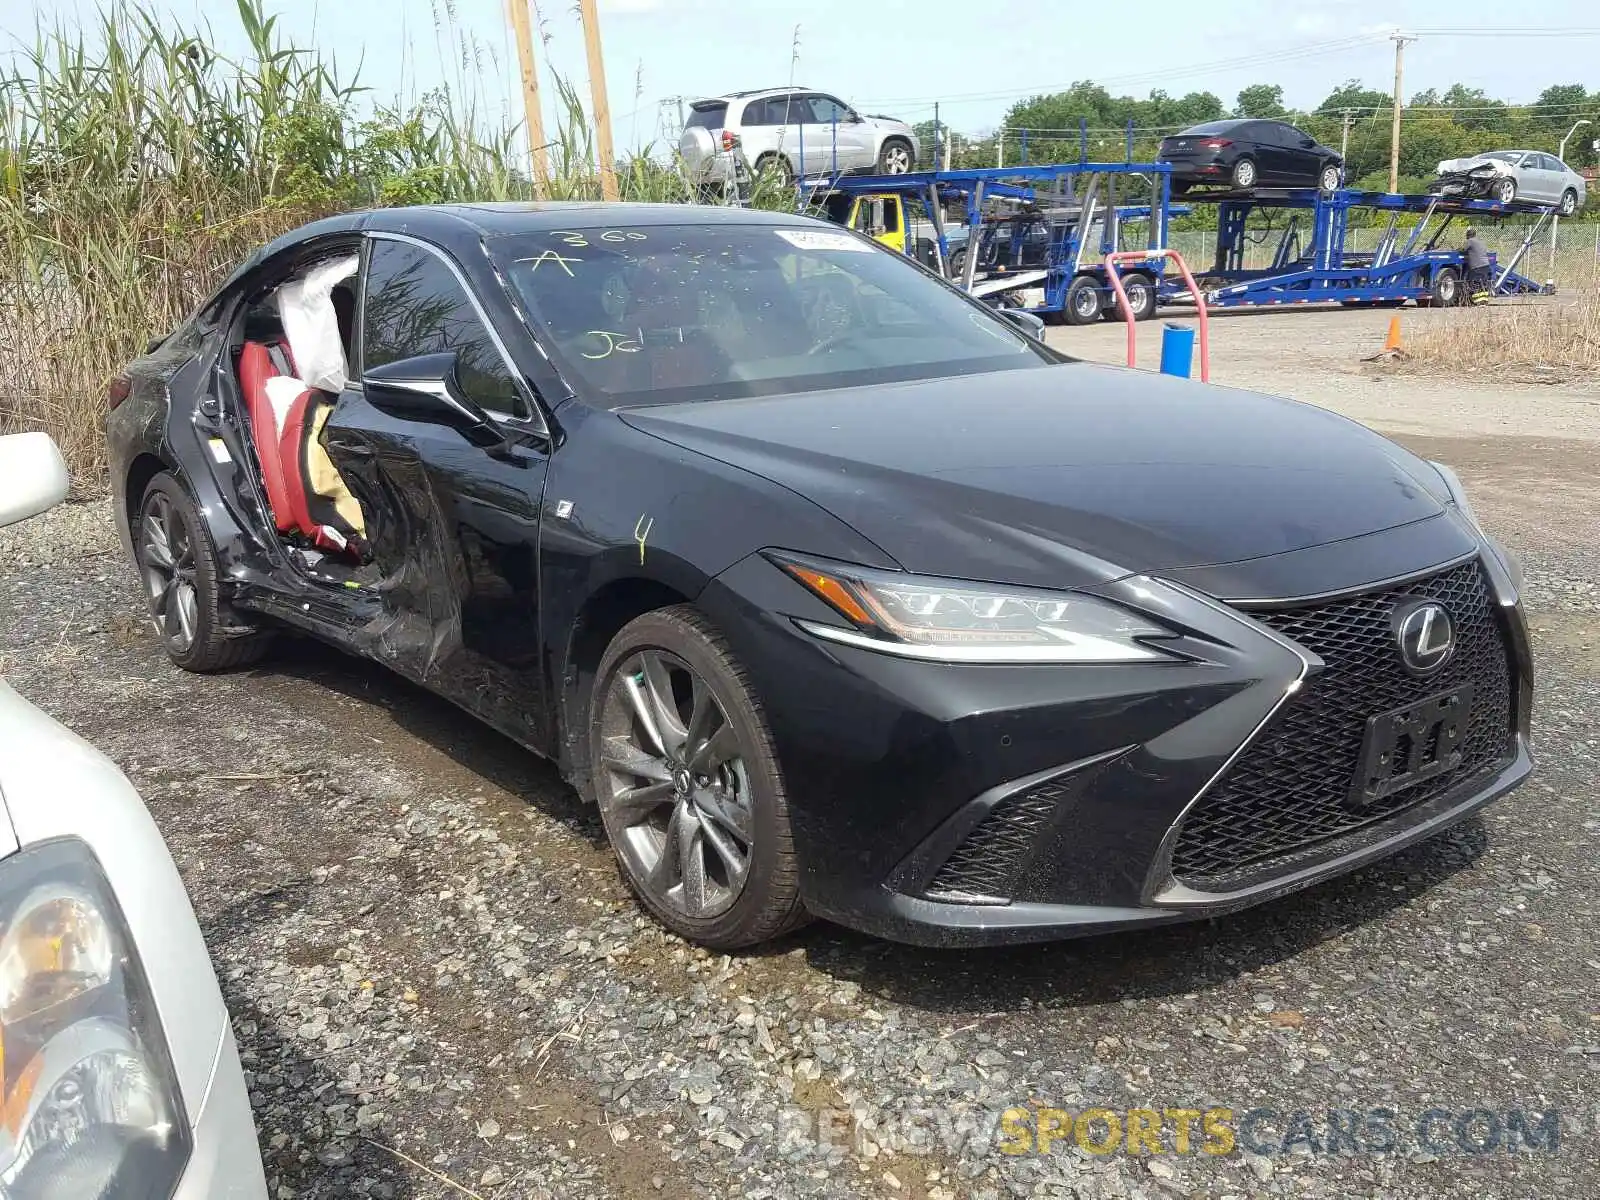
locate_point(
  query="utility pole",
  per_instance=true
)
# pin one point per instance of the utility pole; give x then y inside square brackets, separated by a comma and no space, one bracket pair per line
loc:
[1399,40]
[1346,116]
[1555,221]
[602,106]
[1000,147]
[532,111]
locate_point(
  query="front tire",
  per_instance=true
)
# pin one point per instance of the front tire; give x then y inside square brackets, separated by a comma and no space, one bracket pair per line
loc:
[1328,178]
[1505,190]
[894,157]
[1083,300]
[1569,203]
[688,784]
[1244,173]
[178,567]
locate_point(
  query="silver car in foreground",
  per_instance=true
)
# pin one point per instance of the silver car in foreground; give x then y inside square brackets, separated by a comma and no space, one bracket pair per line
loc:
[1511,175]
[120,1075]
[798,132]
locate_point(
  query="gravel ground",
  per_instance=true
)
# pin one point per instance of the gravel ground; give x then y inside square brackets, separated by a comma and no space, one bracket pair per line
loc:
[440,988]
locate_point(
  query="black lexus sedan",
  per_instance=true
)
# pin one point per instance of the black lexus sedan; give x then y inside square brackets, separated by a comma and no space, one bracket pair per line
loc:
[840,593]
[1244,154]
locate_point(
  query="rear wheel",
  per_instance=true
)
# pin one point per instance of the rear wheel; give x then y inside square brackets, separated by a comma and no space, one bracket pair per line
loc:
[1504,190]
[1141,290]
[895,157]
[776,167]
[688,783]
[1569,203]
[1444,289]
[958,262]
[178,566]
[1082,303]
[1244,173]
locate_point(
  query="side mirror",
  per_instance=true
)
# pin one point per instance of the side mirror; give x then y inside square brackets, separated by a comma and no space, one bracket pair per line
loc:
[854,118]
[1025,321]
[33,476]
[427,388]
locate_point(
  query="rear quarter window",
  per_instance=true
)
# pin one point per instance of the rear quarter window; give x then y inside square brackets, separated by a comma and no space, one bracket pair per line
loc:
[709,116]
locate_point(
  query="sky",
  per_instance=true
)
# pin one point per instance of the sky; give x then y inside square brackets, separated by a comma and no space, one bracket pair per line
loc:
[901,58]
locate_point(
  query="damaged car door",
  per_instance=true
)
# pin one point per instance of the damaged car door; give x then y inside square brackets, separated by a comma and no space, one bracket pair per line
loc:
[442,442]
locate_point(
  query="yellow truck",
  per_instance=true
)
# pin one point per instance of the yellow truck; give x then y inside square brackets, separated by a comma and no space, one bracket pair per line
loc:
[881,216]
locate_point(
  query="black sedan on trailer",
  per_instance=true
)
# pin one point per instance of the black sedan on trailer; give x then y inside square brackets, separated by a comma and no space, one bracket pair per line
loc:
[1244,154]
[840,593]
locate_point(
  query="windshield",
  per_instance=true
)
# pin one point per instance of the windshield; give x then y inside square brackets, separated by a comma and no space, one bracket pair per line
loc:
[667,313]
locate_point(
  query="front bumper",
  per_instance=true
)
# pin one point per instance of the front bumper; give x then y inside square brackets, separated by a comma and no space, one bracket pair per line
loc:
[955,805]
[226,1161]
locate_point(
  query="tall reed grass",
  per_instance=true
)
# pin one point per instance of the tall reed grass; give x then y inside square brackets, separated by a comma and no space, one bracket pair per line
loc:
[138,165]
[1554,338]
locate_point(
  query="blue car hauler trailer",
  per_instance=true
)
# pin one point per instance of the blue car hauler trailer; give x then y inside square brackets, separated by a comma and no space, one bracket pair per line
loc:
[1311,265]
[1081,209]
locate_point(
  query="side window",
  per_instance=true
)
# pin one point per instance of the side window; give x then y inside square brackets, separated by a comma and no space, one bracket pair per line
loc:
[825,110]
[415,305]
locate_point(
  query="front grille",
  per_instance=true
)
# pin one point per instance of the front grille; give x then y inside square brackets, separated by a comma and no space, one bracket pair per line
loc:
[1288,790]
[986,863]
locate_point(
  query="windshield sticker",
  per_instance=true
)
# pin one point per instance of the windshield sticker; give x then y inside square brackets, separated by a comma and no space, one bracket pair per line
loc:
[823,239]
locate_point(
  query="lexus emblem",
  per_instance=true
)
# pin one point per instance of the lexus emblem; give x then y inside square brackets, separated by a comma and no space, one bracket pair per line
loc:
[1426,636]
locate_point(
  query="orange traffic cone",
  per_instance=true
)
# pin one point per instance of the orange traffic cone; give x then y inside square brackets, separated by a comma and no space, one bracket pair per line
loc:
[1392,342]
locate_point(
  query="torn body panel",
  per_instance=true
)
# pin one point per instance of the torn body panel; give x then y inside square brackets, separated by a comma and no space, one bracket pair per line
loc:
[453,533]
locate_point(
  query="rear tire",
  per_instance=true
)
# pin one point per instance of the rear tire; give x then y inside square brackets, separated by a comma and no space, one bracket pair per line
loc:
[1569,203]
[1141,290]
[178,568]
[777,167]
[1244,174]
[1444,289]
[684,800]
[958,262]
[1083,301]
[894,157]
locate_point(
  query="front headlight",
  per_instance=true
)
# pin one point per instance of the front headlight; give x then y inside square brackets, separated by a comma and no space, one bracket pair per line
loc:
[90,1107]
[1486,169]
[947,620]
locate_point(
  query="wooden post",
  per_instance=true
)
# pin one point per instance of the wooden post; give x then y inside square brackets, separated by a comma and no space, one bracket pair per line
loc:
[521,28]
[602,107]
[1400,41]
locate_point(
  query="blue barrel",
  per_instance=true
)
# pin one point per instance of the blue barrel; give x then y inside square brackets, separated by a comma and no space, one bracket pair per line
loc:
[1177,350]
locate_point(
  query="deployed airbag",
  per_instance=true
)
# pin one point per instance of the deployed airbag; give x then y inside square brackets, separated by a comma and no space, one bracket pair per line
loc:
[306,307]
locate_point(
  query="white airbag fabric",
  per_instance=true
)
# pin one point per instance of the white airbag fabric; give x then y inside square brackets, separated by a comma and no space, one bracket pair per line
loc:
[312,326]
[282,392]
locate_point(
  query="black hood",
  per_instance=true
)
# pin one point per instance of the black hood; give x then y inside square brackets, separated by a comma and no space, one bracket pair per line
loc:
[1065,475]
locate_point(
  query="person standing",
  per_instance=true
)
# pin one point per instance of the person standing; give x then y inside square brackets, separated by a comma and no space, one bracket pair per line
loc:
[1477,268]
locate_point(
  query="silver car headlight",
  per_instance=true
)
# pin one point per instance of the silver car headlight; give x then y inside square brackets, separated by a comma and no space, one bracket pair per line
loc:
[90,1107]
[947,620]
[1486,169]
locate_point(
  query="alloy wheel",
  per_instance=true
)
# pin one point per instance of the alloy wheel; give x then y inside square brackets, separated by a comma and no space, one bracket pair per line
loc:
[167,554]
[896,160]
[673,786]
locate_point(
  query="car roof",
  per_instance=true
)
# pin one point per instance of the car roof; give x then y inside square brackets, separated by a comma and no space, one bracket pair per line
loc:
[769,91]
[448,223]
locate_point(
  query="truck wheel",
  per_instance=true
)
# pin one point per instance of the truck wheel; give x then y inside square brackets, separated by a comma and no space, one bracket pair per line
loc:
[1082,303]
[1141,291]
[1444,290]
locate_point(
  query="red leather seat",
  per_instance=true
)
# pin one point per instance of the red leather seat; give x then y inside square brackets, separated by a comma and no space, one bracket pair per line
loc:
[256,366]
[305,463]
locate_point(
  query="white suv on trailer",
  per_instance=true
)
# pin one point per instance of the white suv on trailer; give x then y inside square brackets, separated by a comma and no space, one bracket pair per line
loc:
[796,131]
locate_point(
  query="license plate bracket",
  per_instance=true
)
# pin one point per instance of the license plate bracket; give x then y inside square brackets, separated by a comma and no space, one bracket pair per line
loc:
[1410,745]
